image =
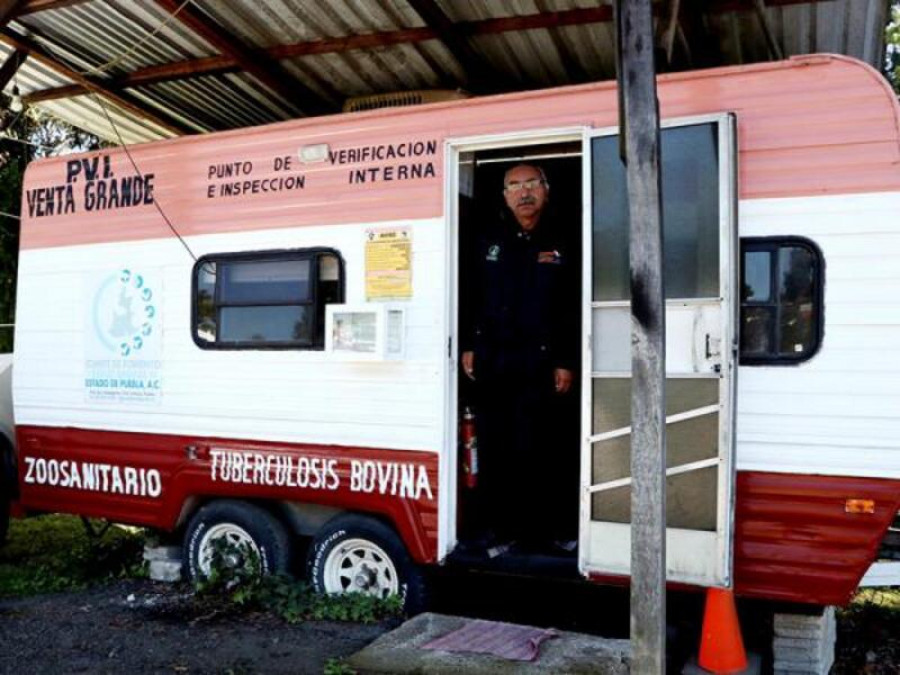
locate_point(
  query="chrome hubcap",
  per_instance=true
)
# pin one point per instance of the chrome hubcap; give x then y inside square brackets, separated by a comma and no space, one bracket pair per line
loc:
[236,537]
[360,566]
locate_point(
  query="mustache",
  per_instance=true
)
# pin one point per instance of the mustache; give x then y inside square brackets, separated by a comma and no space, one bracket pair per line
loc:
[526,200]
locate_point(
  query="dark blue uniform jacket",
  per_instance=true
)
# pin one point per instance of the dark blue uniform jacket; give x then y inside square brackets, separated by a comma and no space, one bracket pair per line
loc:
[523,314]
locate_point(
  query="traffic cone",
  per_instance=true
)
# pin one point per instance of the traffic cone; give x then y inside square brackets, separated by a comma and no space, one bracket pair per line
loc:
[721,646]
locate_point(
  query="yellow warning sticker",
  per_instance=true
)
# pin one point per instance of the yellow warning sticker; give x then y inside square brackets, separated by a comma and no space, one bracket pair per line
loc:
[388,263]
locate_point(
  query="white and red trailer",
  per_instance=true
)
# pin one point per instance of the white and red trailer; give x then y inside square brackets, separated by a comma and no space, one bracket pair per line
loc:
[175,300]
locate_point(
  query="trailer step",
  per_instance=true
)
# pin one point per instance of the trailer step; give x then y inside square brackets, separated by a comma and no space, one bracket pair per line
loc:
[527,564]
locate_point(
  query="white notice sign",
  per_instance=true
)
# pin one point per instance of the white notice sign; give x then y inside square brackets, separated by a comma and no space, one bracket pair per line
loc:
[123,337]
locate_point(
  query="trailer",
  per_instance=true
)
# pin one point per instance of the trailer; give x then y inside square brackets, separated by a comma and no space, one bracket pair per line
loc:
[254,334]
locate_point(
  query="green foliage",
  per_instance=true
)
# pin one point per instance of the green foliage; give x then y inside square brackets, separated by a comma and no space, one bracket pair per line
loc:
[27,136]
[294,602]
[235,578]
[54,553]
[234,570]
[337,667]
[892,47]
[868,631]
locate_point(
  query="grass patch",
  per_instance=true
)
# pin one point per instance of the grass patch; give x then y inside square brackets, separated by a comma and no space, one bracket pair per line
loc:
[53,553]
[295,601]
[337,667]
[236,585]
[869,634]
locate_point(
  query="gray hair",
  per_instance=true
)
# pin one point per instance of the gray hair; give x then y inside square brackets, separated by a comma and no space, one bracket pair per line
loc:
[530,166]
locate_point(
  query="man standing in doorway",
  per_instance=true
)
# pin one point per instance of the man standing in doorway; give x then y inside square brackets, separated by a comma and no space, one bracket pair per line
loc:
[520,348]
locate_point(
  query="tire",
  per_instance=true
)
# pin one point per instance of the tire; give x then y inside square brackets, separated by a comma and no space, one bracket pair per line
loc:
[240,523]
[353,553]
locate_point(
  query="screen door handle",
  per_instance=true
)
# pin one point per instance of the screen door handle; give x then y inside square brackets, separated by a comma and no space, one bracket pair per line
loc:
[713,346]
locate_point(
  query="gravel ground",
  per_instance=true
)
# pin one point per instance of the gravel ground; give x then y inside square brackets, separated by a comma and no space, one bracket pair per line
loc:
[138,627]
[141,627]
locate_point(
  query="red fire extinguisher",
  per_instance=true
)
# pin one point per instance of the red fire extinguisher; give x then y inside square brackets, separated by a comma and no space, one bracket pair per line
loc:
[469,442]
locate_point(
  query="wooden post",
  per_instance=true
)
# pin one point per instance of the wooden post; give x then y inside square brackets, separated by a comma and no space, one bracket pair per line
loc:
[639,106]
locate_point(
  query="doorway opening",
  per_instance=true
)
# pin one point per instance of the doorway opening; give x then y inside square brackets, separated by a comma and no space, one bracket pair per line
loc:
[519,317]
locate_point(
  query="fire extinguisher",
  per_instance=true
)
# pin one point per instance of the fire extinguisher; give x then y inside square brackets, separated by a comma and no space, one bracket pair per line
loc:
[469,442]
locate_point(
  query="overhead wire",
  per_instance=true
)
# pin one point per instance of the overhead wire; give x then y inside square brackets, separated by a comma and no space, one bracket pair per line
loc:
[131,50]
[97,96]
[137,170]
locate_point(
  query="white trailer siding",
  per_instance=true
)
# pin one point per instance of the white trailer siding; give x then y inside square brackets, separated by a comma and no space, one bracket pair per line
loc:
[289,396]
[839,412]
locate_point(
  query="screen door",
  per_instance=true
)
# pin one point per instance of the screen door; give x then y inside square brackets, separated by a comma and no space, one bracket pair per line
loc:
[697,176]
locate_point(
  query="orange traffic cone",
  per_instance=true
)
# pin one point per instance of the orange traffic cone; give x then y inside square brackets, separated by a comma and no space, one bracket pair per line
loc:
[721,646]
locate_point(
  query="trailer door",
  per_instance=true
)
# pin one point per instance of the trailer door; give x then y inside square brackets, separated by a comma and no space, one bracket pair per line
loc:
[699,226]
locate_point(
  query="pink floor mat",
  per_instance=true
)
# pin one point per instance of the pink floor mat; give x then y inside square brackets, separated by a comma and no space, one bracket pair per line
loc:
[506,640]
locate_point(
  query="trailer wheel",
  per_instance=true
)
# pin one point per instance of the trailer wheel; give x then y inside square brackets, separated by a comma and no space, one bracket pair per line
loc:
[243,525]
[357,554]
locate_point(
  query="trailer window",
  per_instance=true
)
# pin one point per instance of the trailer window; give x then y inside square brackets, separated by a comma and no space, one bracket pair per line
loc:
[781,300]
[691,209]
[270,299]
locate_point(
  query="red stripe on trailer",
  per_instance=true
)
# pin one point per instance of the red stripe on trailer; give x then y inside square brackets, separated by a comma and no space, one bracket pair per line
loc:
[360,479]
[795,542]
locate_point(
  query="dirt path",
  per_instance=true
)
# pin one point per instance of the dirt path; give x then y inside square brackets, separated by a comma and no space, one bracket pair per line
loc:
[139,627]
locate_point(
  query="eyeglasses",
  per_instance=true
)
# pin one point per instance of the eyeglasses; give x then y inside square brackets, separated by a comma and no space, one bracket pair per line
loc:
[532,184]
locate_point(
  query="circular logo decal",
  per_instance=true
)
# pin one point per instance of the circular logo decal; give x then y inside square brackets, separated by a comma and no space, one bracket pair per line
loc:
[124,313]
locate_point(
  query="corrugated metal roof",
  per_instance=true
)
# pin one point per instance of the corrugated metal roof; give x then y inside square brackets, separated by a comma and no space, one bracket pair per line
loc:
[340,75]
[851,27]
[103,31]
[542,57]
[83,111]
[129,36]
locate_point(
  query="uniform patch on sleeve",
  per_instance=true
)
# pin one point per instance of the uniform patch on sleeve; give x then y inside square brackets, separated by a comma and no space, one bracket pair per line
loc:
[493,254]
[550,257]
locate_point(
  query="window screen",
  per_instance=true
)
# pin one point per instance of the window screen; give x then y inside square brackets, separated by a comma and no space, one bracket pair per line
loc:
[267,299]
[781,300]
[689,168]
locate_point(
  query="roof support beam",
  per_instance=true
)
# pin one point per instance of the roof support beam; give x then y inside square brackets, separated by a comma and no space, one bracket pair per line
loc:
[12,64]
[668,33]
[121,99]
[32,6]
[771,43]
[701,47]
[571,64]
[566,17]
[723,6]
[481,74]
[217,65]
[8,9]
[691,33]
[258,64]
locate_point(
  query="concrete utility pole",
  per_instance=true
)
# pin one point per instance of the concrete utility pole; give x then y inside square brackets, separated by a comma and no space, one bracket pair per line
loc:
[639,121]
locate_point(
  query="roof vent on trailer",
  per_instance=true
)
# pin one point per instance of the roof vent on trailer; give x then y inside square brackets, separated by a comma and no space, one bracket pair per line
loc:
[402,98]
